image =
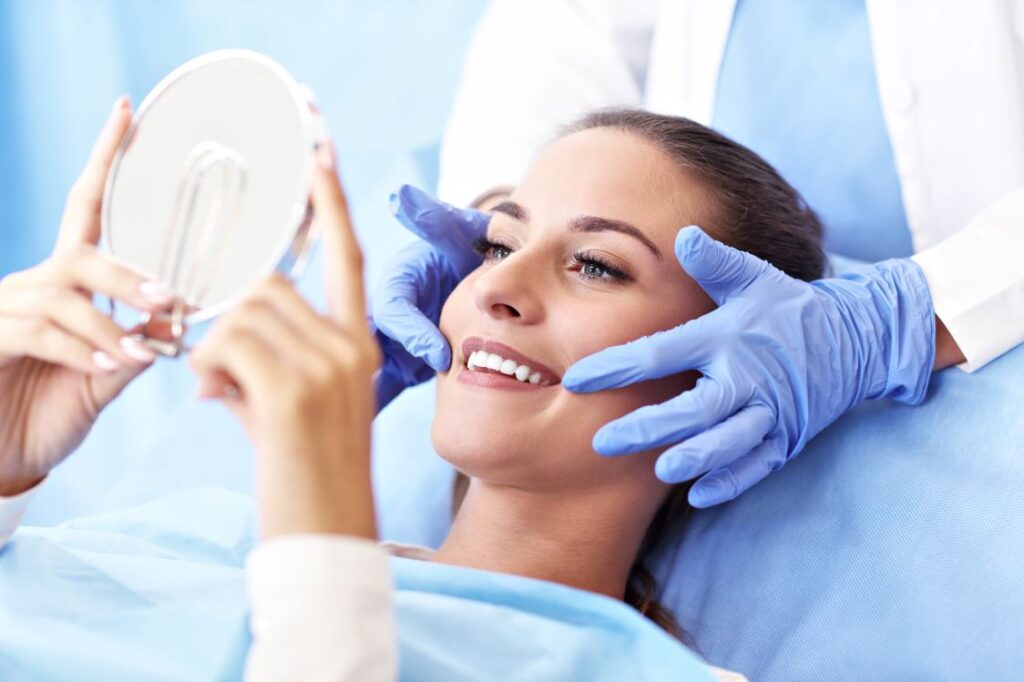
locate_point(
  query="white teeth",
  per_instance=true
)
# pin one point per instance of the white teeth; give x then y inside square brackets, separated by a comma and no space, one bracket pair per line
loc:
[481,359]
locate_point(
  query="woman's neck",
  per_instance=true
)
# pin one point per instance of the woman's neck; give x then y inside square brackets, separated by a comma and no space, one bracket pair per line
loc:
[583,540]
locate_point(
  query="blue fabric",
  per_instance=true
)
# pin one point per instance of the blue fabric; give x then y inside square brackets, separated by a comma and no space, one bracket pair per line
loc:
[797,85]
[157,593]
[62,63]
[890,550]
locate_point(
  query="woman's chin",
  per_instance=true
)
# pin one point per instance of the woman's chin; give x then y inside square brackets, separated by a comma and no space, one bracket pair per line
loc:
[470,446]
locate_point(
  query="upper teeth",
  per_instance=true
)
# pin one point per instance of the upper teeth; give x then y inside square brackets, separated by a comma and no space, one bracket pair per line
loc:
[483,360]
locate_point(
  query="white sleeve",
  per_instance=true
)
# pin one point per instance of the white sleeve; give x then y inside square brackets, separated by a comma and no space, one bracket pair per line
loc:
[321,610]
[11,511]
[531,67]
[976,279]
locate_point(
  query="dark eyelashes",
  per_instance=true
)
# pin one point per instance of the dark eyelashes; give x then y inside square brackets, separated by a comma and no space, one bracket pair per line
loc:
[586,260]
[590,265]
[482,245]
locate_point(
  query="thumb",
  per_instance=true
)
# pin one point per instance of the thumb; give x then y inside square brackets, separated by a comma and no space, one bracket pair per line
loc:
[722,271]
[450,229]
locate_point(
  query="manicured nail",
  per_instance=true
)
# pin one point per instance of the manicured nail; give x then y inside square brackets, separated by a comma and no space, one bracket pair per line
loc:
[121,102]
[325,156]
[156,293]
[136,349]
[104,361]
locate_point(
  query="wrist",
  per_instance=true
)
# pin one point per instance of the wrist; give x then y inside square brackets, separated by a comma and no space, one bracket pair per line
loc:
[297,499]
[908,317]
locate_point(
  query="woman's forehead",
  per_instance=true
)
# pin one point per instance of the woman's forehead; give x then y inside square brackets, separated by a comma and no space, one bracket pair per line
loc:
[611,174]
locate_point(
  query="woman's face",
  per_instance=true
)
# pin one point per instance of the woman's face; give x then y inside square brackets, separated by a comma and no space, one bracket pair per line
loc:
[581,258]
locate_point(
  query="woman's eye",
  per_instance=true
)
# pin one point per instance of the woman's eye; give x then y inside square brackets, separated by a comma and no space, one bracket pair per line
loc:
[491,250]
[593,267]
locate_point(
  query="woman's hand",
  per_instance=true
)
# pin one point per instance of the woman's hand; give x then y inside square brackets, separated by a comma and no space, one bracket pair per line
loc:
[62,360]
[301,384]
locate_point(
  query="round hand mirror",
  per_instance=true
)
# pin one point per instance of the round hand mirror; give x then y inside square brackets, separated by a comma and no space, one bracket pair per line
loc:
[209,192]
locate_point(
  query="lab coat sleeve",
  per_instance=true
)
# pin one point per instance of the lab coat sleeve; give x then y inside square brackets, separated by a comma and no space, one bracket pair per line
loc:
[533,66]
[11,511]
[976,279]
[321,610]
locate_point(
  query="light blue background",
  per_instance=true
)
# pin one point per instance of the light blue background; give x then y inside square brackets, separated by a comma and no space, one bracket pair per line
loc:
[384,72]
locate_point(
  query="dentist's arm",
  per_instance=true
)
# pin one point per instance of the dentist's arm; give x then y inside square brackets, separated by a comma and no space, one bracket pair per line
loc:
[783,359]
[977,284]
[300,383]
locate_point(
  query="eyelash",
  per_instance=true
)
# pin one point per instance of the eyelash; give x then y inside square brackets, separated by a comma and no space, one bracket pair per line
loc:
[486,247]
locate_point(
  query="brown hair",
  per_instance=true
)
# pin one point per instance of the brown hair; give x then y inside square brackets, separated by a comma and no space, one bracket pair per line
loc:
[755,210]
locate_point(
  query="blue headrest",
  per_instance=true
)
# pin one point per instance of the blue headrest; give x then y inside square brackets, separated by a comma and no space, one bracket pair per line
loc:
[891,547]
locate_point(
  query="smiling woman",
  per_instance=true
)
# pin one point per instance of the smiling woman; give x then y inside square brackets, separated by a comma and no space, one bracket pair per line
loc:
[572,263]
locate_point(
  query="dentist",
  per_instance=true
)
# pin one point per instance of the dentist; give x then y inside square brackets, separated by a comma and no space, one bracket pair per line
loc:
[900,123]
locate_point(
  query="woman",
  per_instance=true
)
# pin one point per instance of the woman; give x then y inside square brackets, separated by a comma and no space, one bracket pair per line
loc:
[577,259]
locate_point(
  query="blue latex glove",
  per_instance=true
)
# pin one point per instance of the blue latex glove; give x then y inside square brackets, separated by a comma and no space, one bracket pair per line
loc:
[406,304]
[781,359]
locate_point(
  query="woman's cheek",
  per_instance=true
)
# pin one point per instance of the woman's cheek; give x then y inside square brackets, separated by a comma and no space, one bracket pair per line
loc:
[453,319]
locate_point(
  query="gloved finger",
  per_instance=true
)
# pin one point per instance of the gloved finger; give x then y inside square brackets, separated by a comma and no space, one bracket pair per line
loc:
[651,426]
[397,317]
[722,271]
[723,443]
[661,354]
[452,230]
[732,480]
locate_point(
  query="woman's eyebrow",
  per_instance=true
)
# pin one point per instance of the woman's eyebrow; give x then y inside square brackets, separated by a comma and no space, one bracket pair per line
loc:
[586,223]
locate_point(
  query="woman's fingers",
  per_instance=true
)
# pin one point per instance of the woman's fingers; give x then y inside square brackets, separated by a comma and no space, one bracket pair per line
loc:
[246,360]
[74,313]
[277,293]
[42,339]
[86,268]
[81,221]
[343,261]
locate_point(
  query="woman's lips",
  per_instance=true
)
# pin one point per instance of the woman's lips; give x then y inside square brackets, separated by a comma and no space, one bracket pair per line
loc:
[541,375]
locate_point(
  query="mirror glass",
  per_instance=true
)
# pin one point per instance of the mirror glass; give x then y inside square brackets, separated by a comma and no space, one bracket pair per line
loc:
[210,189]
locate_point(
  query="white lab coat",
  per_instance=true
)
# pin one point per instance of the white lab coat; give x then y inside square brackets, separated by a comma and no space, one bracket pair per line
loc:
[951,81]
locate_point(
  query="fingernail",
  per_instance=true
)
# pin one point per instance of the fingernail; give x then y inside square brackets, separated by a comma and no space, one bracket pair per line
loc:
[156,293]
[325,156]
[136,349]
[104,361]
[121,102]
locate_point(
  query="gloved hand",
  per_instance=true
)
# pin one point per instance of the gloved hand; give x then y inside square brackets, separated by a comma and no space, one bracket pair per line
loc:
[781,359]
[407,303]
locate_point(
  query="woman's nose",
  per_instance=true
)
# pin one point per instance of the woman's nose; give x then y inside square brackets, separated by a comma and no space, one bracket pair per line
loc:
[507,290]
